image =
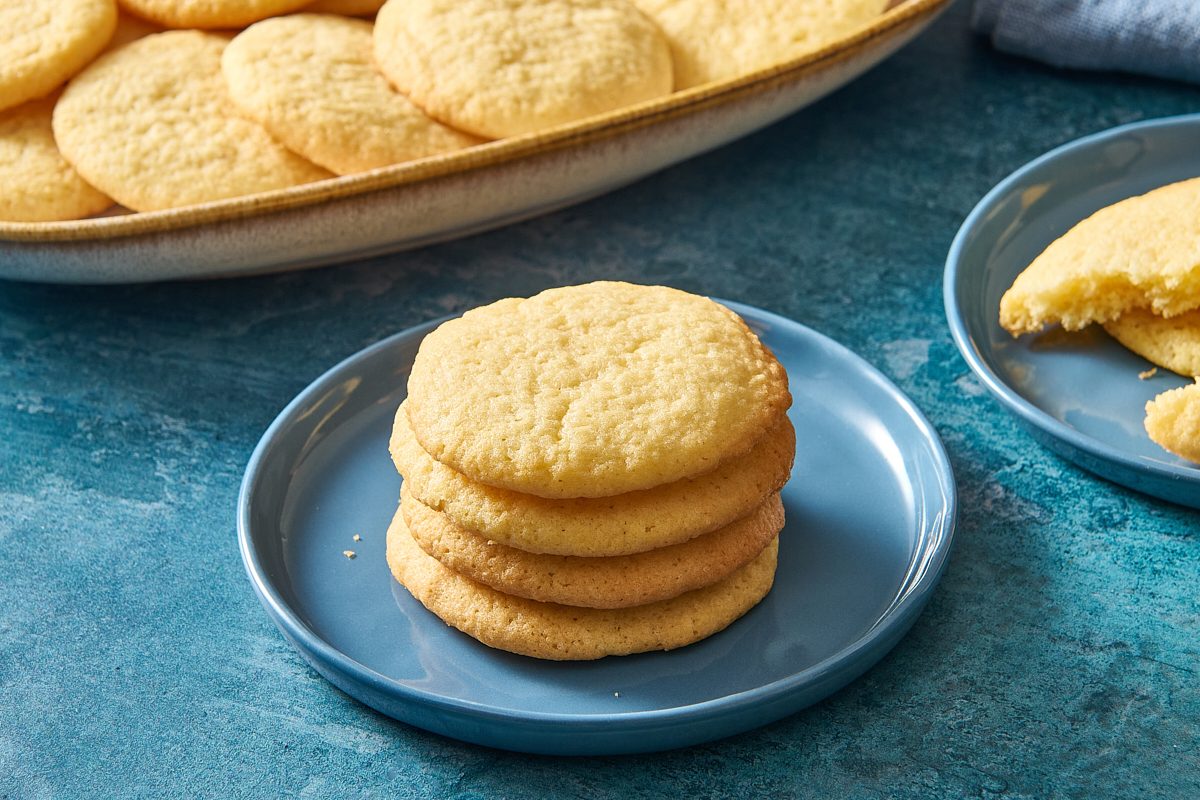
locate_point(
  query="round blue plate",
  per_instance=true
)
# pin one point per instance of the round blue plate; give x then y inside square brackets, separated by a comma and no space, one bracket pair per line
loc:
[870,518]
[1078,394]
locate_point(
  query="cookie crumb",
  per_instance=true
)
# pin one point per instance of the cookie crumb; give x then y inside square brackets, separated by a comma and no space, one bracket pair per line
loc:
[349,553]
[357,538]
[1149,373]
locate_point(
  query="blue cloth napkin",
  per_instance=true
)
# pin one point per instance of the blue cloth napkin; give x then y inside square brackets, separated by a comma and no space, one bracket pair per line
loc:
[1153,37]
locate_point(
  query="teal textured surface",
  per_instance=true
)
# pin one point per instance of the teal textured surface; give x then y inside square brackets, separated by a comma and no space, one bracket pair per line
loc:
[1057,658]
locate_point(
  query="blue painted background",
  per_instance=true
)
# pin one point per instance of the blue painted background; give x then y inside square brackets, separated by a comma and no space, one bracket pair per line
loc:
[1059,657]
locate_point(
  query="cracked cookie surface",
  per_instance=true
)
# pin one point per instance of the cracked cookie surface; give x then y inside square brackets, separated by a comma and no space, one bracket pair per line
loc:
[715,40]
[593,390]
[499,68]
[310,80]
[151,125]
[43,43]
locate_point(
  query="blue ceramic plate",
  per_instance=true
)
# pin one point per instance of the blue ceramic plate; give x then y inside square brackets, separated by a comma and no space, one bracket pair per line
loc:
[1078,394]
[870,517]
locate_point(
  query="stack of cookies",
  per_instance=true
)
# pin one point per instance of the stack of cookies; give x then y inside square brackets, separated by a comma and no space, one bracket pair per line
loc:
[591,471]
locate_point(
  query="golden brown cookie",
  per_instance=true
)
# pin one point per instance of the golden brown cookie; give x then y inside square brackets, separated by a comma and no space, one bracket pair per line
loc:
[44,42]
[1173,421]
[499,68]
[713,40]
[151,125]
[1139,253]
[557,632]
[1170,342]
[593,390]
[36,182]
[614,582]
[212,14]
[310,80]
[604,526]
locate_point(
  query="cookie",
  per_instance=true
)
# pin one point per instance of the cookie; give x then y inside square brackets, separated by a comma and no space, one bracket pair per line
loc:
[349,8]
[560,633]
[310,80]
[36,182]
[500,68]
[209,13]
[150,124]
[44,43]
[1138,253]
[593,390]
[628,523]
[713,40]
[1170,342]
[1173,421]
[615,582]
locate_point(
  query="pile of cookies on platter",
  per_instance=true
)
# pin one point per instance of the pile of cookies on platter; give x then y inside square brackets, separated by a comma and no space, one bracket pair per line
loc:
[1133,267]
[591,471]
[158,104]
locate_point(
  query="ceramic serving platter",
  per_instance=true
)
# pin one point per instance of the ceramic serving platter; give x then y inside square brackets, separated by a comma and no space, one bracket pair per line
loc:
[870,519]
[1078,394]
[448,196]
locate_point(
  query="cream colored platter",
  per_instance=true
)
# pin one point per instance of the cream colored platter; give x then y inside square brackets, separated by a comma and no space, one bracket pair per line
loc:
[448,196]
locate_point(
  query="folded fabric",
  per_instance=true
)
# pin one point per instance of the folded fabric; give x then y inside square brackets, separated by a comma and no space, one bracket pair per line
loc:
[1153,37]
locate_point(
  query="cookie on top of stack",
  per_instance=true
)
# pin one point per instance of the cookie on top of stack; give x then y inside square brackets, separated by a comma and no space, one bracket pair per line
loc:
[591,471]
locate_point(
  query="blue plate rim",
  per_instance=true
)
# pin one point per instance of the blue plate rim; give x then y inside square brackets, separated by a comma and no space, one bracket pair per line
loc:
[1025,410]
[893,621]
